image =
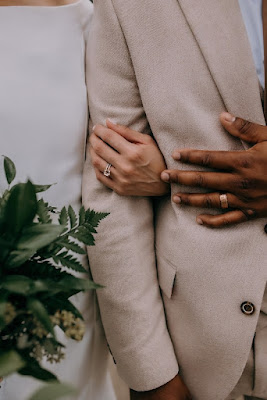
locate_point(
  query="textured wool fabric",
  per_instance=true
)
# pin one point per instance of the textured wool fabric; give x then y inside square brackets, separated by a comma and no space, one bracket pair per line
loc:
[171,69]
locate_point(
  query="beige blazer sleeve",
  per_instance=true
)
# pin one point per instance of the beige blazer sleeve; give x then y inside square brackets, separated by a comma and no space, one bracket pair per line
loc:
[123,259]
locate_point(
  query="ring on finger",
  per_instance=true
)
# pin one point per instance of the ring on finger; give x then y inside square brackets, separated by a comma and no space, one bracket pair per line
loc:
[107,171]
[224,201]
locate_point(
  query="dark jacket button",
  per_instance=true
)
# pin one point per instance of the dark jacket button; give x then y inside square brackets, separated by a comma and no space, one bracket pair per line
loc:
[247,308]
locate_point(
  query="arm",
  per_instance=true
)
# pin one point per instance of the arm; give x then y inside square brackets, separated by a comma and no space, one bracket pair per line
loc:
[241,175]
[124,259]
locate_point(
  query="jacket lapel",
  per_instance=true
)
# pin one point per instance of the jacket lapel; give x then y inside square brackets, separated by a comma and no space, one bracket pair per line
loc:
[221,35]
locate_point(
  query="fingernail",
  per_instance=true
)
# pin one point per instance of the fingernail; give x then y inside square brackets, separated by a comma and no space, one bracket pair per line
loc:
[165,176]
[112,121]
[229,117]
[177,199]
[176,155]
[251,212]
[199,221]
[93,128]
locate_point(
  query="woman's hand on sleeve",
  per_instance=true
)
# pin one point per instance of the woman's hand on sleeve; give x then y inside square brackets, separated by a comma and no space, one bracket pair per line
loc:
[136,161]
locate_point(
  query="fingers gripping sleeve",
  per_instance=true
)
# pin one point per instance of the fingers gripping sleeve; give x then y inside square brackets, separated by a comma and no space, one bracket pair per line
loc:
[123,259]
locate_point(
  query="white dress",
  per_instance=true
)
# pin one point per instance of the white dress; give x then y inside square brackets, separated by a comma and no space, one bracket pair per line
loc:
[43,128]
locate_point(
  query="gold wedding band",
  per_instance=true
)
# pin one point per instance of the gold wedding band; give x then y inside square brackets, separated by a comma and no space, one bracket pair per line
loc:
[224,201]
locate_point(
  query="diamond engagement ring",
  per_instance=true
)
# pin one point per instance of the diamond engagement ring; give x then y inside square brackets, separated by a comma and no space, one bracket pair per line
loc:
[224,201]
[107,170]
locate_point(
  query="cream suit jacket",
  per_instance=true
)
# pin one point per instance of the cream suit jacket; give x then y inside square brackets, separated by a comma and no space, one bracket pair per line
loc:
[170,67]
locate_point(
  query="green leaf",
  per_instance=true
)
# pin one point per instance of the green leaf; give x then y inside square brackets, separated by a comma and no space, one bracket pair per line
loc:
[39,286]
[42,188]
[5,249]
[81,215]
[72,246]
[10,362]
[94,218]
[73,217]
[53,392]
[21,284]
[67,260]
[3,202]
[19,257]
[39,236]
[73,283]
[36,371]
[43,212]
[51,250]
[83,236]
[42,270]
[21,207]
[61,302]
[10,170]
[63,217]
[89,227]
[3,304]
[41,314]
[18,284]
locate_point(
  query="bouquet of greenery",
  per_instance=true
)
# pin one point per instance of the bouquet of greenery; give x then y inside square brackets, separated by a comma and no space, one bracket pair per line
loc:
[39,273]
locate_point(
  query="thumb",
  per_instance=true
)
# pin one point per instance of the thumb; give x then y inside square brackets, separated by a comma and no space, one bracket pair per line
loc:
[127,133]
[243,129]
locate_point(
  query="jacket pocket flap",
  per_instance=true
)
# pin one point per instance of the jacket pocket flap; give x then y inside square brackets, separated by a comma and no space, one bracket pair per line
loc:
[166,276]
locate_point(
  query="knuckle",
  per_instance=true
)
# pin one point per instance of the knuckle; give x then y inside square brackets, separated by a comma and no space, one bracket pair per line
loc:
[185,156]
[245,162]
[106,135]
[199,180]
[252,213]
[249,214]
[244,126]
[245,200]
[92,139]
[213,223]
[95,162]
[127,130]
[135,155]
[123,183]
[208,203]
[98,147]
[174,177]
[247,183]
[127,170]
[206,159]
[186,199]
[225,221]
[120,190]
[97,127]
[148,139]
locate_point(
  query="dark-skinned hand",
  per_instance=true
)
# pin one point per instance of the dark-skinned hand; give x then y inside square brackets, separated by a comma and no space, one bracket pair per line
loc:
[241,175]
[173,390]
